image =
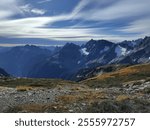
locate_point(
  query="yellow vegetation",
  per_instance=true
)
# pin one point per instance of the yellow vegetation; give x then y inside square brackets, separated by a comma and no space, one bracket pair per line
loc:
[145,68]
[88,96]
[122,98]
[31,107]
[23,88]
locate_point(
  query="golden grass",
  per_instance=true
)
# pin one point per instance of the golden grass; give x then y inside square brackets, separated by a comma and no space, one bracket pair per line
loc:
[23,88]
[68,98]
[122,98]
[31,107]
[132,70]
[85,96]
[122,72]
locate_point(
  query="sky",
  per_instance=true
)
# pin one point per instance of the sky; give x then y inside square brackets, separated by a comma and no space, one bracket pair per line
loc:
[73,20]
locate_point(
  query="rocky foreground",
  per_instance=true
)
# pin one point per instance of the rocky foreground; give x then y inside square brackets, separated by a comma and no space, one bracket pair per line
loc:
[67,97]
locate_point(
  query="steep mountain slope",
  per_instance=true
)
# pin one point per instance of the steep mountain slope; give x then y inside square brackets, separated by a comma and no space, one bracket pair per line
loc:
[18,60]
[103,52]
[139,54]
[97,48]
[60,65]
[86,73]
[130,44]
[70,59]
[95,52]
[119,77]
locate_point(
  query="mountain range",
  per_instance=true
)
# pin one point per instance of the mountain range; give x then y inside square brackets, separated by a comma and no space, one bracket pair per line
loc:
[70,60]
[18,60]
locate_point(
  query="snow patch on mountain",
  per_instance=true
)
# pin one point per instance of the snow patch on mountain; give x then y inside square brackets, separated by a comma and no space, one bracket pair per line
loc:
[120,51]
[84,51]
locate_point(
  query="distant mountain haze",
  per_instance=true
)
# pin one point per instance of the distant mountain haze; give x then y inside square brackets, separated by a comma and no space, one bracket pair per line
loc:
[18,60]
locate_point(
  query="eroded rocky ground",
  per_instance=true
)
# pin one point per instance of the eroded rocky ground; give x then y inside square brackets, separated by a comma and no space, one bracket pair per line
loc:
[74,97]
[11,97]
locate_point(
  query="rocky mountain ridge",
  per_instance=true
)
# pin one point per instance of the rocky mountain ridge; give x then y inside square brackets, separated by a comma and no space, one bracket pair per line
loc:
[72,58]
[66,62]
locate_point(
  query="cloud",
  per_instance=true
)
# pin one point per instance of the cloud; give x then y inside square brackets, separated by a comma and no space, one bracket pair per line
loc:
[129,18]
[33,28]
[110,10]
[87,6]
[5,14]
[28,9]
[38,11]
[8,8]
[139,26]
[43,1]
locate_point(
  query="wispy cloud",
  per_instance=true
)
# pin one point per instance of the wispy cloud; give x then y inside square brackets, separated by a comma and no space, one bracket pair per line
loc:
[8,8]
[38,11]
[110,10]
[134,17]
[33,28]
[141,26]
[43,1]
